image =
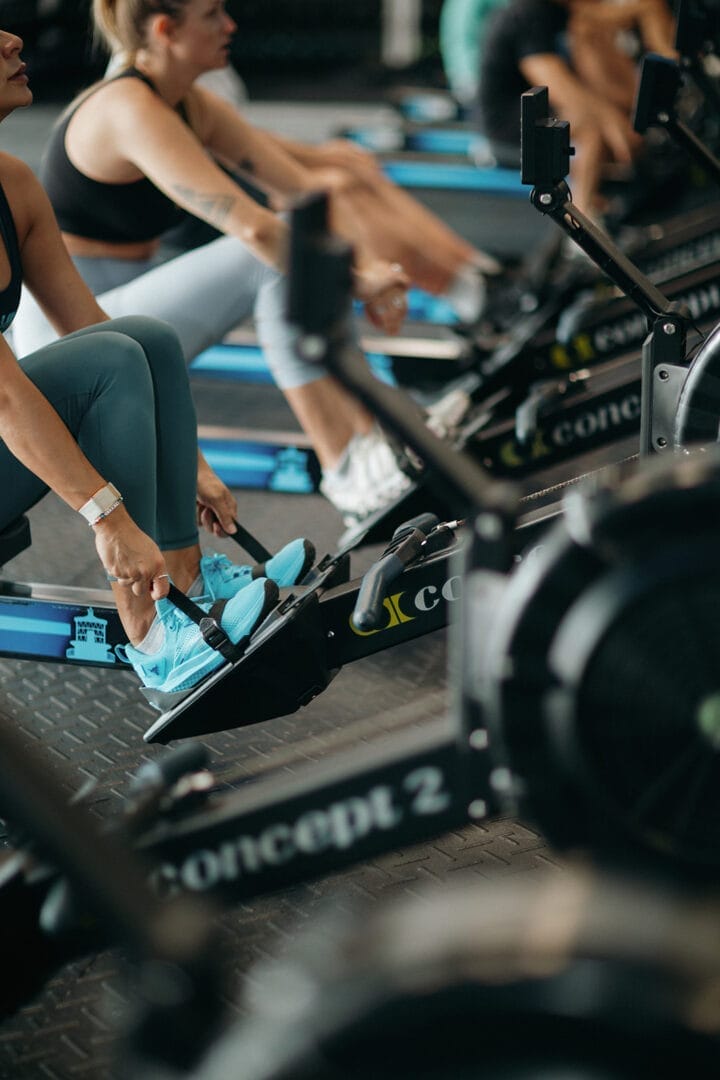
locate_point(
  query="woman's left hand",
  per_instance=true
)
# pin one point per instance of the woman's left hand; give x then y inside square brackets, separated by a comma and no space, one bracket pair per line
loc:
[383,289]
[216,504]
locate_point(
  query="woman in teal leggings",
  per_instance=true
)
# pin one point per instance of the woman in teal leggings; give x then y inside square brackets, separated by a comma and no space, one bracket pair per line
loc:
[104,418]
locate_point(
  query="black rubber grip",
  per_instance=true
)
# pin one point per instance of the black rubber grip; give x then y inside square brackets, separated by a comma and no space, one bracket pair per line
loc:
[369,611]
[424,522]
[168,768]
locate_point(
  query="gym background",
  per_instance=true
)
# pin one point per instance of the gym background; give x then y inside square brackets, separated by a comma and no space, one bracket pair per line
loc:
[307,48]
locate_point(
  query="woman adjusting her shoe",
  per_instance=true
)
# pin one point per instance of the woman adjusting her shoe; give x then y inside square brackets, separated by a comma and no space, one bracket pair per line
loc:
[138,149]
[104,418]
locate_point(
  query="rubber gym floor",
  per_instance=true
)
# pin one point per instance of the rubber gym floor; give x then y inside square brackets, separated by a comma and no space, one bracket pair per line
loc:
[89,723]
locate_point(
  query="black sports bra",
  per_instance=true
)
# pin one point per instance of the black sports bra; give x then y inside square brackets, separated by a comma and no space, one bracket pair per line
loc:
[118,213]
[10,295]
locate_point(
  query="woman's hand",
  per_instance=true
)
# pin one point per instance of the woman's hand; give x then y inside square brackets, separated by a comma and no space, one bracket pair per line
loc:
[129,556]
[217,507]
[382,287]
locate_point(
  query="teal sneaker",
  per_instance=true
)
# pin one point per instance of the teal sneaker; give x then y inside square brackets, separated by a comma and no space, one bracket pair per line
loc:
[185,657]
[222,579]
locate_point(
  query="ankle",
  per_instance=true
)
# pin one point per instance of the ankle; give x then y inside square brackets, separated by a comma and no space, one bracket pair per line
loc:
[183,568]
[153,640]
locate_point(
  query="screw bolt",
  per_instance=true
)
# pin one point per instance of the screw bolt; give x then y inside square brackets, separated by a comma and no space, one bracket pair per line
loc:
[479,739]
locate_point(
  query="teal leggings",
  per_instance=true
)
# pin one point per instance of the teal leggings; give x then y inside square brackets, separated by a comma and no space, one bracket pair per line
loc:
[121,388]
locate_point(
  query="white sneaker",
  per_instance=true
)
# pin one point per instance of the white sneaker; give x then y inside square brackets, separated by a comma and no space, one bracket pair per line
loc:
[445,415]
[366,479]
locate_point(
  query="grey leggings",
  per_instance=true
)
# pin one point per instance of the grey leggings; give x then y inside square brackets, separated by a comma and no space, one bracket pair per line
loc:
[202,293]
[122,390]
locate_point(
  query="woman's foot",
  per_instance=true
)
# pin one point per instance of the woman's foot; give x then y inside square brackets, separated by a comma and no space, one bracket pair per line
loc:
[184,657]
[222,578]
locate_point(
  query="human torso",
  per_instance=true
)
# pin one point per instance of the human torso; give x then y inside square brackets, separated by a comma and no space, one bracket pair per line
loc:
[124,217]
[524,28]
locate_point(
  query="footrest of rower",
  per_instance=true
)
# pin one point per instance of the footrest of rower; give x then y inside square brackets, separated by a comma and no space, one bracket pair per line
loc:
[162,701]
[284,668]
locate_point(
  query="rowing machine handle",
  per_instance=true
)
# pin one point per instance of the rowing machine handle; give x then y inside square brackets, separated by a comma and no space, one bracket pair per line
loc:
[369,606]
[425,523]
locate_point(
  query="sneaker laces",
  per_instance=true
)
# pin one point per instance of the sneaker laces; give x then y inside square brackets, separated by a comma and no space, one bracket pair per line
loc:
[217,563]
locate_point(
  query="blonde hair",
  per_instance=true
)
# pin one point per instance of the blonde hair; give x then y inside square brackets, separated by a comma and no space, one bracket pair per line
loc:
[120,24]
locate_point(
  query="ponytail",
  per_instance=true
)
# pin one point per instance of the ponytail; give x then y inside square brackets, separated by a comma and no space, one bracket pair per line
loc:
[120,24]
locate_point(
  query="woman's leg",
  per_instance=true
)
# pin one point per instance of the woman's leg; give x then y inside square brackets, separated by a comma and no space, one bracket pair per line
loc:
[205,293]
[155,380]
[99,382]
[397,227]
[111,386]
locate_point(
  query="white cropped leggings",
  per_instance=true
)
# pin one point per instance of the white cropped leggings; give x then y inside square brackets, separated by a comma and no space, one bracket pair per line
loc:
[202,293]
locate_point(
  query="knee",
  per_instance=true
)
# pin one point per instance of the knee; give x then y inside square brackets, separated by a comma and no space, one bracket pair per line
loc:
[157,340]
[149,333]
[121,362]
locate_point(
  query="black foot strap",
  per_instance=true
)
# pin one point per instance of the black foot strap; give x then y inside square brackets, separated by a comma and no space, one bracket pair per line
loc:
[209,623]
[251,544]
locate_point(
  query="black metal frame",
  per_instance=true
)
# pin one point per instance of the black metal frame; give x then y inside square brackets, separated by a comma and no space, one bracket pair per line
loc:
[660,81]
[233,861]
[314,633]
[328,622]
[546,153]
[696,36]
[417,784]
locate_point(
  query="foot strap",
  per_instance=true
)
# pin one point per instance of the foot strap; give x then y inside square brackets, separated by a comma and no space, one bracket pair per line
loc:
[209,623]
[250,543]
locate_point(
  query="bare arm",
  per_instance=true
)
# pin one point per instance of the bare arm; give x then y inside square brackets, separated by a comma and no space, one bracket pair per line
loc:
[653,20]
[29,426]
[276,163]
[48,270]
[37,437]
[335,153]
[160,144]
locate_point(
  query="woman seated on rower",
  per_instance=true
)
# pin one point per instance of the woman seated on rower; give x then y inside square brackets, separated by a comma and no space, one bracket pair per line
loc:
[104,418]
[139,148]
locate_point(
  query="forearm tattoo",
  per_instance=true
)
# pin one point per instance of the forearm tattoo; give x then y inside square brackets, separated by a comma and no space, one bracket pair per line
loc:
[213,208]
